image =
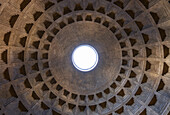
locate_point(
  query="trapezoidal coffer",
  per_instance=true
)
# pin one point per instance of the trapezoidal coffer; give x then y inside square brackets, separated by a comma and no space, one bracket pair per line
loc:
[84,57]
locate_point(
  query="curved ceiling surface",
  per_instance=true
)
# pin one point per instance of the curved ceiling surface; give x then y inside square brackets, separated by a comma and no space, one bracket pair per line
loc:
[37,38]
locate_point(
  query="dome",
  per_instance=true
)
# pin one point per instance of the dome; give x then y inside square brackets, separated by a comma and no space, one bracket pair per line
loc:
[129,47]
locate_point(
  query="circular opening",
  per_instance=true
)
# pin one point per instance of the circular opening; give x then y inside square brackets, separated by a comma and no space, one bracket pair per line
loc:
[84,58]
